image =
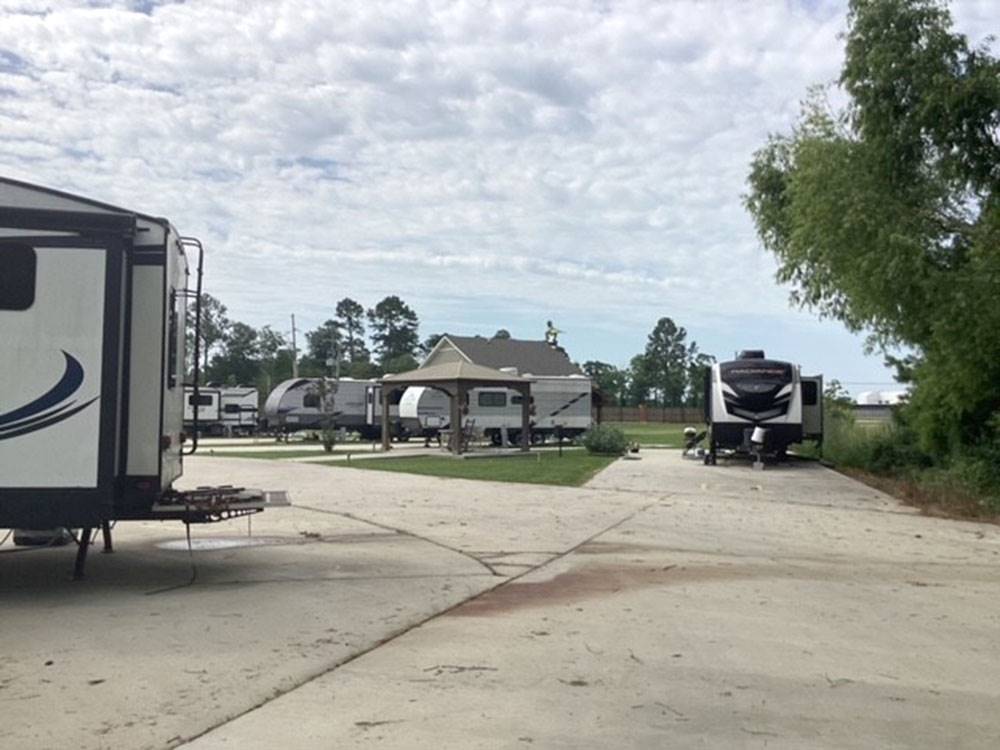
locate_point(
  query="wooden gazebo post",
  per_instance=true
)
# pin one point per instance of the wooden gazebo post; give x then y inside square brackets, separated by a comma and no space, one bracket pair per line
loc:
[525,391]
[456,379]
[457,402]
[386,437]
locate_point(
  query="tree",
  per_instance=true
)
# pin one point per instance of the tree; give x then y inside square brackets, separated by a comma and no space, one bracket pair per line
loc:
[639,382]
[886,215]
[213,330]
[238,363]
[665,362]
[430,342]
[402,363]
[699,364]
[394,329]
[325,344]
[275,359]
[502,333]
[608,379]
[351,321]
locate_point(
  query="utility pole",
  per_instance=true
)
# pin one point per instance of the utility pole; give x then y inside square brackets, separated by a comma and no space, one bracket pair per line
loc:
[295,351]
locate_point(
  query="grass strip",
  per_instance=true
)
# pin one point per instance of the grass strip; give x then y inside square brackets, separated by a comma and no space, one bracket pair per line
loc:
[572,469]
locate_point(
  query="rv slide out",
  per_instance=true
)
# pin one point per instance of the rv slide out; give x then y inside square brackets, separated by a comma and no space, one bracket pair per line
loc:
[761,406]
[94,304]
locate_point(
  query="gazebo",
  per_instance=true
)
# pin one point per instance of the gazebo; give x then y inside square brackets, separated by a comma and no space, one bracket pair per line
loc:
[457,379]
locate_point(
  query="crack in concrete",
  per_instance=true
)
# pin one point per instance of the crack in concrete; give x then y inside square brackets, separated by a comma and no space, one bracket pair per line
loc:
[403,631]
[404,532]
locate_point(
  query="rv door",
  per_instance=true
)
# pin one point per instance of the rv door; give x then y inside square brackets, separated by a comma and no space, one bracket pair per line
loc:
[61,321]
[812,407]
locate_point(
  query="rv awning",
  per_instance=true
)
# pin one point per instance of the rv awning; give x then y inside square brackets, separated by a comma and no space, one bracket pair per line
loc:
[457,379]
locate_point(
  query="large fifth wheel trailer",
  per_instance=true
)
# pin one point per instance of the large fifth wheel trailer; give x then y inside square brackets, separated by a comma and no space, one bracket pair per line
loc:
[93,313]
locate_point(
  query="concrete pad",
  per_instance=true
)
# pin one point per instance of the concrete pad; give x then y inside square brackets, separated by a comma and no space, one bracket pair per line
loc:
[790,608]
[149,651]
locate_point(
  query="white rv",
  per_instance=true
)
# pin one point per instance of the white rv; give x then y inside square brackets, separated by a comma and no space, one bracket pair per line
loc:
[238,410]
[761,406]
[559,404]
[221,411]
[561,394]
[296,404]
[204,406]
[93,309]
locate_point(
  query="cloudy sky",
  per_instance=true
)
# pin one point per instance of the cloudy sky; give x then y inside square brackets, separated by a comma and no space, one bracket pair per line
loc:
[495,164]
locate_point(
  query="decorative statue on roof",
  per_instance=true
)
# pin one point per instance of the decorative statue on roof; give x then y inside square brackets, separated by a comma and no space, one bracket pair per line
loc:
[552,334]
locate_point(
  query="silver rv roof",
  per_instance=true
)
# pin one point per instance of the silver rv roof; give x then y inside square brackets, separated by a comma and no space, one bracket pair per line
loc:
[24,195]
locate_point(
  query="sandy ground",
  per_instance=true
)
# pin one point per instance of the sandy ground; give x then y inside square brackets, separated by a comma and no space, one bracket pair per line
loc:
[667,604]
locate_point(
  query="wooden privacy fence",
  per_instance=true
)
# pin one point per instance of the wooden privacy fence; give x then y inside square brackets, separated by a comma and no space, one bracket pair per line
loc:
[678,414]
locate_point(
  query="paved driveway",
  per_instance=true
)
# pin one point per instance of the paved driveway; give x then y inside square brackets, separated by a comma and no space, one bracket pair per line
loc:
[666,604]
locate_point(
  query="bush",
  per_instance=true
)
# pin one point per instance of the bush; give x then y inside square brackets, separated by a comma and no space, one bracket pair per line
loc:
[605,440]
[966,484]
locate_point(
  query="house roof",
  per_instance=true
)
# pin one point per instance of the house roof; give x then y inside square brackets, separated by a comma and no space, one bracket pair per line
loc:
[529,357]
[451,372]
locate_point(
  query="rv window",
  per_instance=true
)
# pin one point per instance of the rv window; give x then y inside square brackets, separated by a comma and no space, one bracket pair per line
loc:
[517,399]
[311,401]
[203,400]
[486,398]
[231,408]
[810,393]
[17,276]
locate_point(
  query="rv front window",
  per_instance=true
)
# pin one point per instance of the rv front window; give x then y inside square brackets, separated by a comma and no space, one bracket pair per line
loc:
[18,263]
[231,408]
[202,400]
[311,401]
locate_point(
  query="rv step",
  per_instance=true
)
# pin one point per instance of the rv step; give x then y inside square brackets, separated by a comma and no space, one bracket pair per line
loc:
[207,504]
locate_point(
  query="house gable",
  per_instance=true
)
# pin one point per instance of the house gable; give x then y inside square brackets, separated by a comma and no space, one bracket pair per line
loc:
[534,357]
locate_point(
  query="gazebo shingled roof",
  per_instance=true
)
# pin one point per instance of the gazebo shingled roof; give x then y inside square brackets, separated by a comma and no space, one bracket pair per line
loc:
[457,379]
[449,372]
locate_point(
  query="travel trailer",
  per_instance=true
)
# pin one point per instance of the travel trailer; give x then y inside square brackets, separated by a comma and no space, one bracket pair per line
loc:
[296,404]
[559,404]
[761,406]
[561,394]
[221,411]
[93,315]
[206,406]
[238,408]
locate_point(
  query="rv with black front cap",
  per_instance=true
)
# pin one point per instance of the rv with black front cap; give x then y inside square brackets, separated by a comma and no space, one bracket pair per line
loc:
[760,406]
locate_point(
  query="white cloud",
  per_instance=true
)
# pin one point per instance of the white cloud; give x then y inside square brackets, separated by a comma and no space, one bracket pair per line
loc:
[527,159]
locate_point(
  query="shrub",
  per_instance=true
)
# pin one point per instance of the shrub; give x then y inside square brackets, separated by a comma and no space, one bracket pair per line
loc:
[606,440]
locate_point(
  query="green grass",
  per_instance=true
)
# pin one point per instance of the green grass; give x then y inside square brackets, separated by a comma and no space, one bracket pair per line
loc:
[887,457]
[663,434]
[573,469]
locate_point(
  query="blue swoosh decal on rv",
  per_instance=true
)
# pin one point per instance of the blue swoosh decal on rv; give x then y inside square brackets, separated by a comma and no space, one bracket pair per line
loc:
[52,407]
